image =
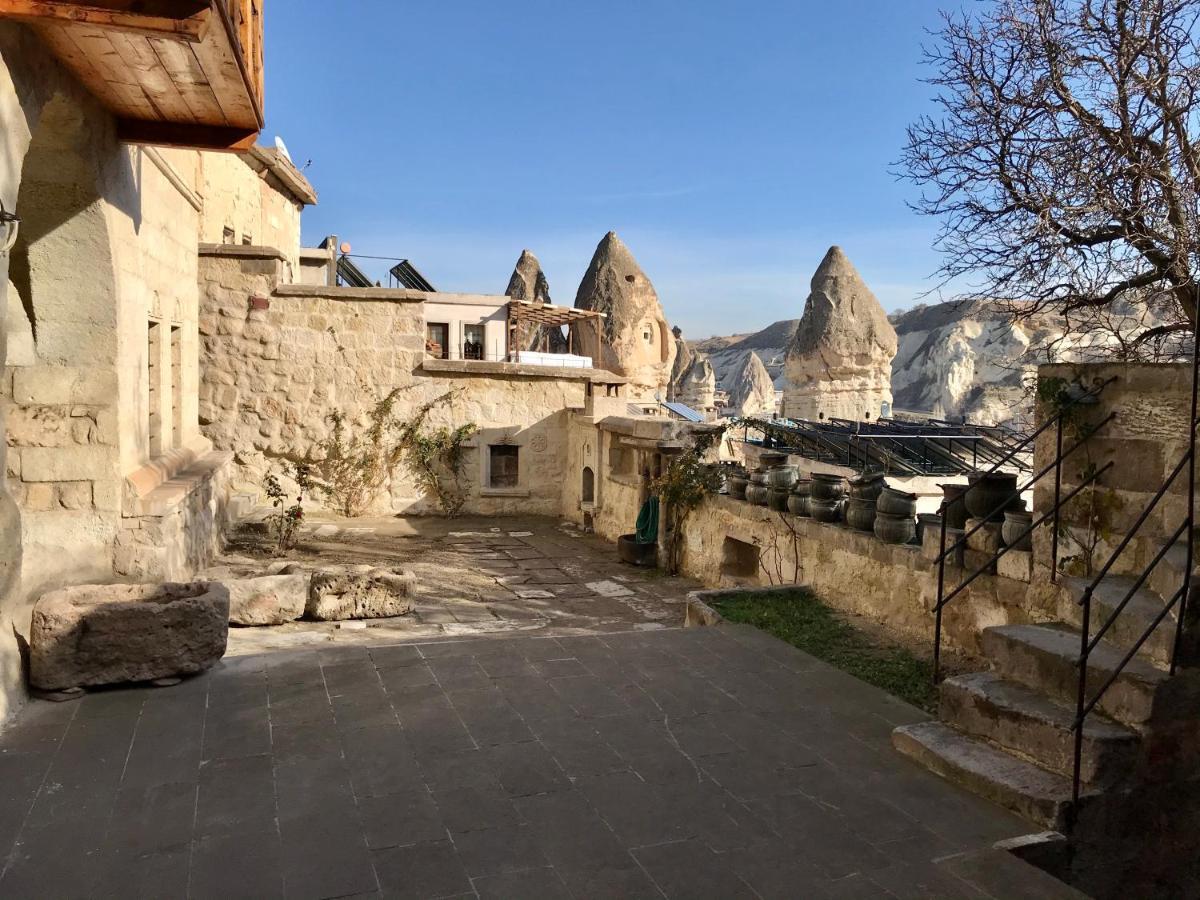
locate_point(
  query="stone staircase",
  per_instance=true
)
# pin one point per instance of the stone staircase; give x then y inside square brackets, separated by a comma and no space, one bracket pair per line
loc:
[1005,734]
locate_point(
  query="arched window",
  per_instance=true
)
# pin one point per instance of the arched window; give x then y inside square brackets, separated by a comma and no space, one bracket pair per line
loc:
[589,485]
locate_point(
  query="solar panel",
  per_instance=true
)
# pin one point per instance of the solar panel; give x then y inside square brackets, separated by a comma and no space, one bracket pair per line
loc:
[684,412]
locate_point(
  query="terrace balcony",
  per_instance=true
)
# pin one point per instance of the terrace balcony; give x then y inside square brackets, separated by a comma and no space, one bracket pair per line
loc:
[183,73]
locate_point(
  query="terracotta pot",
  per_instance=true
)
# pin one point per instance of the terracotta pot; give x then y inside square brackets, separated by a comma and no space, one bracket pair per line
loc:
[897,503]
[860,514]
[895,529]
[756,494]
[771,459]
[956,508]
[777,498]
[737,485]
[867,486]
[825,510]
[1014,523]
[802,487]
[990,494]
[828,487]
[783,477]
[798,505]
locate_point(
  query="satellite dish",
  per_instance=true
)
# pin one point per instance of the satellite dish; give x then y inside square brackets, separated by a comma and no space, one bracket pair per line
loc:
[282,148]
[345,248]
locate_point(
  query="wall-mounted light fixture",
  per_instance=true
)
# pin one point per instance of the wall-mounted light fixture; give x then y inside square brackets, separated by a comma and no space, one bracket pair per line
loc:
[9,223]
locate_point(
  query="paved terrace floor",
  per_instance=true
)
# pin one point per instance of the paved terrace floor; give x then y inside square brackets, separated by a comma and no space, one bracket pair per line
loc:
[681,763]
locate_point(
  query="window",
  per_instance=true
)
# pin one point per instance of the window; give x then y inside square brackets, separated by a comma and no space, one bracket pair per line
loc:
[738,559]
[503,465]
[154,379]
[228,236]
[247,240]
[473,341]
[437,340]
[646,336]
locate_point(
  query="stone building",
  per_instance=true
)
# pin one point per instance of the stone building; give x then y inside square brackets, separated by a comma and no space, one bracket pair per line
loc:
[104,472]
[839,362]
[637,340]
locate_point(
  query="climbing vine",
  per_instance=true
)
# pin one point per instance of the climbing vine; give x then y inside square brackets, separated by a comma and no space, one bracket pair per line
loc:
[683,485]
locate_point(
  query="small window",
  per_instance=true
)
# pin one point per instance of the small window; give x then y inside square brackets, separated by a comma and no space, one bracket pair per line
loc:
[437,340]
[473,341]
[503,465]
[247,240]
[228,236]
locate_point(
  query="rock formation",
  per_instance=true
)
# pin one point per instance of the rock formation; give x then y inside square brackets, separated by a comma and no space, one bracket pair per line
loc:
[528,282]
[684,356]
[839,363]
[750,388]
[634,333]
[697,387]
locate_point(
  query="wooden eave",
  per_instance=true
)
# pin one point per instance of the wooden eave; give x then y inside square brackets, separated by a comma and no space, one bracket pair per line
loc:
[183,73]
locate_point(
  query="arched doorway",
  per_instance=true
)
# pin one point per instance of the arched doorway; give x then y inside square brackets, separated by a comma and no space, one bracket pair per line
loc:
[588,490]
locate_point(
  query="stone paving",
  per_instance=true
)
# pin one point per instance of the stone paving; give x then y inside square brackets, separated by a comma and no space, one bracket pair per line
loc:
[534,575]
[711,762]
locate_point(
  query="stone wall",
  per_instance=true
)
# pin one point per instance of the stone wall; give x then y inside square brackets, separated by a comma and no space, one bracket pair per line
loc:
[279,359]
[1144,442]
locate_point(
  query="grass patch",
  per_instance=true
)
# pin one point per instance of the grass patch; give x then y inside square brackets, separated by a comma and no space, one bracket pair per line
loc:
[798,617]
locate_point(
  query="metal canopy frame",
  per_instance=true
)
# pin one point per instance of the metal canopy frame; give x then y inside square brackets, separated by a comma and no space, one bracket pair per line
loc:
[523,314]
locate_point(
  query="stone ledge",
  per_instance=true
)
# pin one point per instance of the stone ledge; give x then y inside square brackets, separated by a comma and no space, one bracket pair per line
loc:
[242,251]
[168,495]
[523,370]
[325,292]
[504,492]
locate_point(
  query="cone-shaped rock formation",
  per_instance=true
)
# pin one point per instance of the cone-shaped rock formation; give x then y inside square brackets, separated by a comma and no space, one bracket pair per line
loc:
[839,363]
[684,357]
[636,340]
[529,283]
[751,391]
[697,387]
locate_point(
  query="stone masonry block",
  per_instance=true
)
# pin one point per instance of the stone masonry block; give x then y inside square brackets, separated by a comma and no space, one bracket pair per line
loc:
[67,464]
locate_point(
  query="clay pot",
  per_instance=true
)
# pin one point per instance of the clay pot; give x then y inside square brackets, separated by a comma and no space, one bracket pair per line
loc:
[897,503]
[867,486]
[928,522]
[828,511]
[1016,521]
[895,529]
[956,508]
[772,458]
[828,487]
[737,483]
[990,494]
[860,514]
[783,477]
[802,487]
[756,493]
[777,498]
[798,505]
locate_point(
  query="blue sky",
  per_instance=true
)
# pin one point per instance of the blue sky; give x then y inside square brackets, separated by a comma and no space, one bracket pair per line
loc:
[729,144]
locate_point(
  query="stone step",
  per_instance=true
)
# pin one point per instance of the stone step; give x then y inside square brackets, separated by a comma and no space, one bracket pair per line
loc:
[1040,796]
[1134,619]
[1042,657]
[1168,574]
[1035,727]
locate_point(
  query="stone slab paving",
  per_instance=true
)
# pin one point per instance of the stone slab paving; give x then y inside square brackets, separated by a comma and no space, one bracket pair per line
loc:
[534,575]
[701,763]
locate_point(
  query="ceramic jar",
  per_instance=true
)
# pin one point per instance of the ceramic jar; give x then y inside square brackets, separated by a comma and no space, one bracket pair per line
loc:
[897,503]
[825,510]
[989,494]
[895,529]
[828,487]
[956,508]
[860,514]
[1015,522]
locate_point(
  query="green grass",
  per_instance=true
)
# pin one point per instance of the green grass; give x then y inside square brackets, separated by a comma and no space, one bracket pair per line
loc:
[798,617]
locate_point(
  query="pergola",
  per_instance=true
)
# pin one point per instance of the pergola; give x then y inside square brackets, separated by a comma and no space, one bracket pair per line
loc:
[523,315]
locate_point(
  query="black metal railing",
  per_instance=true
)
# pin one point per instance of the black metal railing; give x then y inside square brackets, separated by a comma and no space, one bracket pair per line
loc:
[1052,515]
[1186,530]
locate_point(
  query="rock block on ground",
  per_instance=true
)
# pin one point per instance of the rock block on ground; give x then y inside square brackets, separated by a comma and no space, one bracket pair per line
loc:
[359,592]
[110,634]
[267,600]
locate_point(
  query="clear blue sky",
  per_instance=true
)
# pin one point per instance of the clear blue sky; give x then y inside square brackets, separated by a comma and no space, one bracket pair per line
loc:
[728,144]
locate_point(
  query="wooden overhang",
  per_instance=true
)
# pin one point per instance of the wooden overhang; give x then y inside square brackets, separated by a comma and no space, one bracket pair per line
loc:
[180,73]
[523,314]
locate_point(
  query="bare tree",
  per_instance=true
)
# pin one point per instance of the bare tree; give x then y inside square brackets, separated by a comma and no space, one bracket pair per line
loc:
[1064,165]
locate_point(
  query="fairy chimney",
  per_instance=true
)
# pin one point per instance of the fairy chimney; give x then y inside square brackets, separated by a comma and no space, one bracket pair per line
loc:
[839,363]
[636,340]
[528,283]
[751,391]
[684,357]
[697,387]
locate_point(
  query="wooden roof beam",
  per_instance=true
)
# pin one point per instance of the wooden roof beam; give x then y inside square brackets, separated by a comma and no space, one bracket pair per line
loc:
[190,27]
